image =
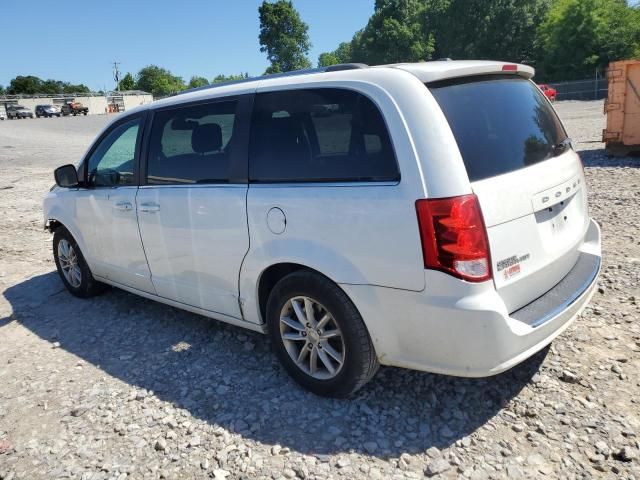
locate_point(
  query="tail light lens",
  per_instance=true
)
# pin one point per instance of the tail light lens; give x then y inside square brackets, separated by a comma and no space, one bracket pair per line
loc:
[454,238]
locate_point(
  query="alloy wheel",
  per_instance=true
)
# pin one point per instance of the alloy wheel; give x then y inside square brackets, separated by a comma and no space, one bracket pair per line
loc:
[68,260]
[312,337]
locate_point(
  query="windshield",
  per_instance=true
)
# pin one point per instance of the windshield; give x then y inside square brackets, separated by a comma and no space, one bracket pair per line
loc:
[501,124]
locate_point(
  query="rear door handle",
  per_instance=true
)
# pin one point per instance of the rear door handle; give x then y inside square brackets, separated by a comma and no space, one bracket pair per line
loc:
[123,206]
[149,207]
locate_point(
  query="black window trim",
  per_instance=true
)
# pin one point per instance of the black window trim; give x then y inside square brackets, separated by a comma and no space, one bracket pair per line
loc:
[362,181]
[240,159]
[83,172]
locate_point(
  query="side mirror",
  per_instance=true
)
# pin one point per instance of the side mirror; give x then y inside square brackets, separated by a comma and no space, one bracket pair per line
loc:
[66,176]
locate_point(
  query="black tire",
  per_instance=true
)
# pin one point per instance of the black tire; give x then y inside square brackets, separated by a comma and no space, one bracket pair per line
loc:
[360,361]
[84,113]
[88,286]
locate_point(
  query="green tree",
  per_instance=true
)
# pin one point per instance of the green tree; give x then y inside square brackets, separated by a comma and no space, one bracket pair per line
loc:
[579,36]
[342,54]
[158,81]
[327,59]
[52,87]
[196,82]
[28,85]
[2,90]
[283,36]
[394,33]
[230,78]
[76,88]
[127,83]
[499,29]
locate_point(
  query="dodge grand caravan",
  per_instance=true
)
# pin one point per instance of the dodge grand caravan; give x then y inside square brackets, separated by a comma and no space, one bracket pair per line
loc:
[431,216]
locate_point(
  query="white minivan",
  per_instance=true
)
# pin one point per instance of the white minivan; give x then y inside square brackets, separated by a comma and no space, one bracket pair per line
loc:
[430,216]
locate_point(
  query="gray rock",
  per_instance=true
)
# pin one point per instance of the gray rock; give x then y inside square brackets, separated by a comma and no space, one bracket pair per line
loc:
[626,454]
[437,466]
[569,377]
[222,390]
[370,447]
[220,474]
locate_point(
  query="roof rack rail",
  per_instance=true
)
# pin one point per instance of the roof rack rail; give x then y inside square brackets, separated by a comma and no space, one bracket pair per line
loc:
[293,73]
[345,66]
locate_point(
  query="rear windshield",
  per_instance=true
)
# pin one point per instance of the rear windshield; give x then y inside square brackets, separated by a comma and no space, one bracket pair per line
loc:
[501,124]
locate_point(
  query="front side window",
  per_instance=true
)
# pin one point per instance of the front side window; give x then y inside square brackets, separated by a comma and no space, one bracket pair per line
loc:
[191,145]
[319,135]
[112,162]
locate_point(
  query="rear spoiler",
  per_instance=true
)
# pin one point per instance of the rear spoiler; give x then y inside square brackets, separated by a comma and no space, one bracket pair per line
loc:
[453,69]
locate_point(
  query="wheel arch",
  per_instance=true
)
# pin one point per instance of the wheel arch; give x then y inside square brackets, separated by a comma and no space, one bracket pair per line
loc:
[56,219]
[272,274]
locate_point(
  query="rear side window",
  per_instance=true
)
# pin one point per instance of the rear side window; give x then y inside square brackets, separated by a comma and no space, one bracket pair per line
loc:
[501,124]
[319,135]
[192,144]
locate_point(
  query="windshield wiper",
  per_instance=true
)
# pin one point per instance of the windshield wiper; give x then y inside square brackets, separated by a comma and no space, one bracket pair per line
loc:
[562,146]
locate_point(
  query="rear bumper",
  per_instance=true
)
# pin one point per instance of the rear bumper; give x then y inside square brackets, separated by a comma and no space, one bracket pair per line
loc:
[463,329]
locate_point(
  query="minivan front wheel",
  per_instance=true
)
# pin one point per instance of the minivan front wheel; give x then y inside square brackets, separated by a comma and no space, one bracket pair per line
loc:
[319,336]
[72,267]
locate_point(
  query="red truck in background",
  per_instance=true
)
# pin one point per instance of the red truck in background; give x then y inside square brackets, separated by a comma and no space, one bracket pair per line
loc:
[74,108]
[549,92]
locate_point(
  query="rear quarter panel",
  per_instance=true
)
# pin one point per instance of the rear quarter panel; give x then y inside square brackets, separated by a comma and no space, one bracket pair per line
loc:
[358,233]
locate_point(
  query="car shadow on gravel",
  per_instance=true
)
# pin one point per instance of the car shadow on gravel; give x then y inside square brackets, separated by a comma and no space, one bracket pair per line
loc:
[226,376]
[598,157]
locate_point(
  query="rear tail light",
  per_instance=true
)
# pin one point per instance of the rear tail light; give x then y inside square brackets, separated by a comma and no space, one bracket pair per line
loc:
[509,68]
[454,238]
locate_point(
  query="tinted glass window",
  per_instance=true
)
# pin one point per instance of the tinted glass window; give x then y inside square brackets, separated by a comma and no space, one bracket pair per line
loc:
[319,135]
[500,124]
[112,162]
[192,144]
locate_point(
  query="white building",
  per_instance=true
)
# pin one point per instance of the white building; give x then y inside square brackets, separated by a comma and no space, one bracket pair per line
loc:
[97,103]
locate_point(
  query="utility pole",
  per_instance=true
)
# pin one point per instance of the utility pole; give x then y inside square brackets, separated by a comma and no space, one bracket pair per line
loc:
[116,75]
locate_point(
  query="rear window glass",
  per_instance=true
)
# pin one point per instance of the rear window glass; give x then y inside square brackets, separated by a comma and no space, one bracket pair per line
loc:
[500,124]
[319,135]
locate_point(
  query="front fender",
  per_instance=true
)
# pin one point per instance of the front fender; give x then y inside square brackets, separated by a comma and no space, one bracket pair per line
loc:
[61,207]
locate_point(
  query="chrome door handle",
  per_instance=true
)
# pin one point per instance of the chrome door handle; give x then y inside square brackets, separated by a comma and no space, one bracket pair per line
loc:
[149,207]
[123,206]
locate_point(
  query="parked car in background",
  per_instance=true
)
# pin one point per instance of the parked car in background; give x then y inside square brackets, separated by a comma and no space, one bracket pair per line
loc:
[18,111]
[74,108]
[2,115]
[548,91]
[47,111]
[393,215]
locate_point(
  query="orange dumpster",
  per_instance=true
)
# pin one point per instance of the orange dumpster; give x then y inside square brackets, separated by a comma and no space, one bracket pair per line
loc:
[622,107]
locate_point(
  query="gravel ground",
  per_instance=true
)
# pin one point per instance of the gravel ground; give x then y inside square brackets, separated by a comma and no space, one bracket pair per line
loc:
[120,387]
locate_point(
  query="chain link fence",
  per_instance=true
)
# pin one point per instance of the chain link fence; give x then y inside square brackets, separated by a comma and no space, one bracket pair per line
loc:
[592,89]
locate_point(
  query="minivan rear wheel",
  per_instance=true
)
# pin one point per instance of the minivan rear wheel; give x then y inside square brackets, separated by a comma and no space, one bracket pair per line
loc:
[319,336]
[72,267]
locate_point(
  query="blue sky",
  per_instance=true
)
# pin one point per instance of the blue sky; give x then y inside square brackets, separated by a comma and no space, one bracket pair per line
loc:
[75,40]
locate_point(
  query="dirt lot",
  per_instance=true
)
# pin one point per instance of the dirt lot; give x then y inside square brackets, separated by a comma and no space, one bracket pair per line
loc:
[120,387]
